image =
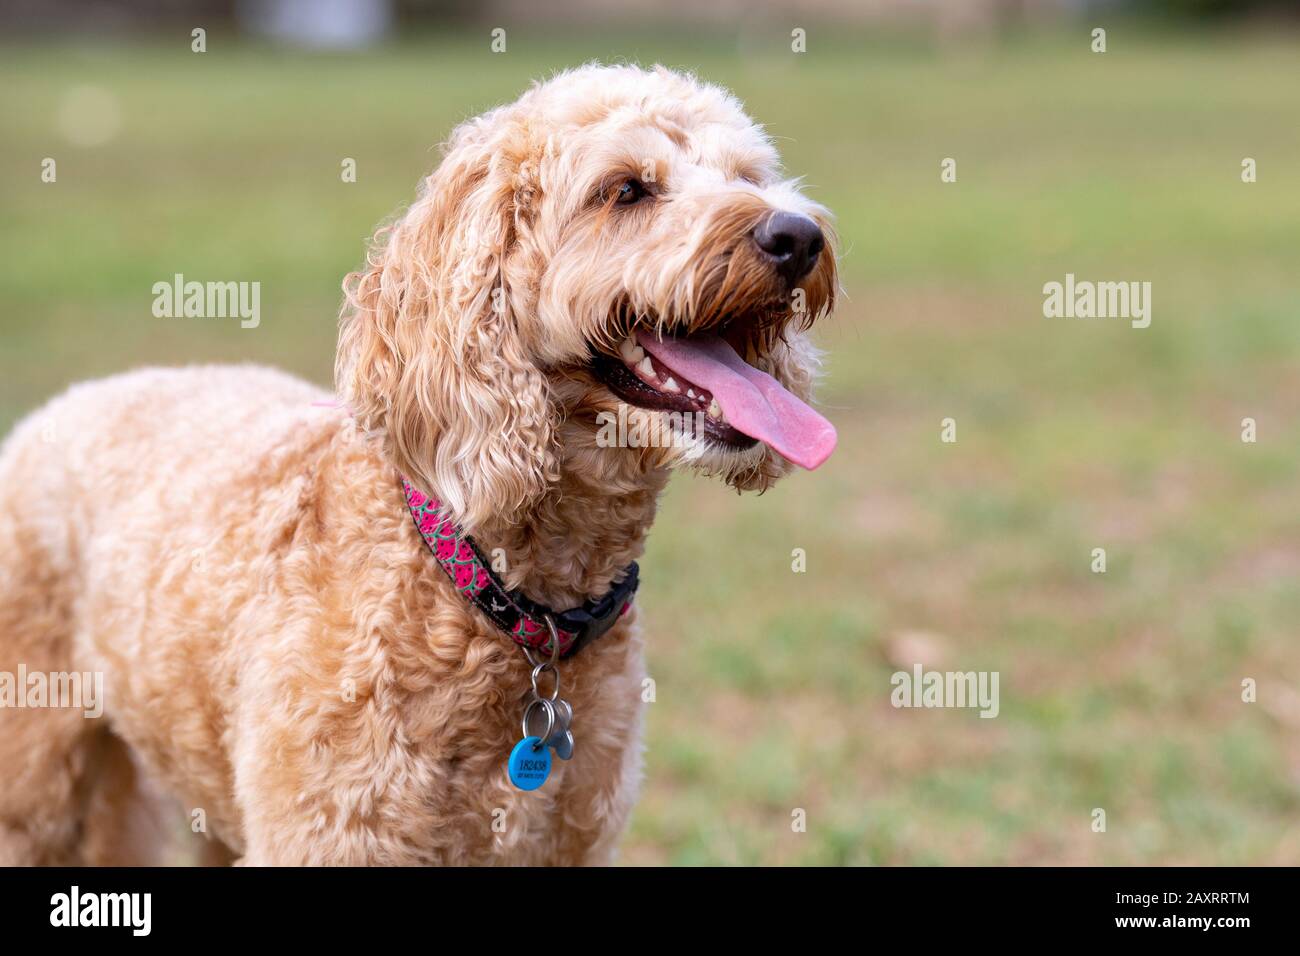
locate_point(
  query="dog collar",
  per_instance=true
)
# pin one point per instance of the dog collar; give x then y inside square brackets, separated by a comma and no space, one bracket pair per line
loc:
[522,620]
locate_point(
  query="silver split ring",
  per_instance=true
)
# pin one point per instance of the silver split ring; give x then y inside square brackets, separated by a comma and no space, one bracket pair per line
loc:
[549,709]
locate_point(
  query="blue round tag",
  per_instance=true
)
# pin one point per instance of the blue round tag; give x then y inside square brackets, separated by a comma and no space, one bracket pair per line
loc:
[528,767]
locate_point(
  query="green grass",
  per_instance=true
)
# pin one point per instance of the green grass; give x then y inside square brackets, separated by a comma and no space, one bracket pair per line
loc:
[1120,691]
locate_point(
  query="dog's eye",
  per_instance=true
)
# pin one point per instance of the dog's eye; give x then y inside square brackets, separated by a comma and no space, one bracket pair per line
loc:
[630,192]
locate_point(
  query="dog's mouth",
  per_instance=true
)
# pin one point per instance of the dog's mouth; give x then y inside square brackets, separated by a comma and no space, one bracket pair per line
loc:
[704,377]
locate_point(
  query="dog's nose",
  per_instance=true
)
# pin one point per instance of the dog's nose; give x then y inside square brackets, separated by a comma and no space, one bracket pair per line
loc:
[792,241]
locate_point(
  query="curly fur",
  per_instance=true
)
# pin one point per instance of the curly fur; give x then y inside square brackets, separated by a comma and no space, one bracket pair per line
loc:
[231,549]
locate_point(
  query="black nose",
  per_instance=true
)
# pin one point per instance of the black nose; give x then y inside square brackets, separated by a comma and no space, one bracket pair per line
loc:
[792,241]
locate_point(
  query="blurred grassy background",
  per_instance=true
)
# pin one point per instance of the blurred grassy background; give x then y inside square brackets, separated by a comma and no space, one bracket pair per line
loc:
[1118,690]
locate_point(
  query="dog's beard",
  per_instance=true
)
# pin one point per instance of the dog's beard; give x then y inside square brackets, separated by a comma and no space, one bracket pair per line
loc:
[678,447]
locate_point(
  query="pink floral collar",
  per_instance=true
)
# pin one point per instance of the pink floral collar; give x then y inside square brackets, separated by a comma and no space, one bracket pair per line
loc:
[522,620]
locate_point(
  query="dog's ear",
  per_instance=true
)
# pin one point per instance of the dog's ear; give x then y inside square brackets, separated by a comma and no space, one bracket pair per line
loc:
[430,352]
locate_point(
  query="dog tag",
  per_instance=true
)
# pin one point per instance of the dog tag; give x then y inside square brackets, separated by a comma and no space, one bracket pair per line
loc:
[561,739]
[530,764]
[563,745]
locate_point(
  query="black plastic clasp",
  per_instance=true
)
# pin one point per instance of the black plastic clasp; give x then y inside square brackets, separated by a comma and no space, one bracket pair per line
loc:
[594,618]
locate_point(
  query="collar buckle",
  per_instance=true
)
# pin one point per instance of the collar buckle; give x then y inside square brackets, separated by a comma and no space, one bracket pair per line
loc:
[594,618]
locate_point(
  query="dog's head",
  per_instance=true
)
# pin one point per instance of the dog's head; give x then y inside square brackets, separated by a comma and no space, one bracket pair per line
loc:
[611,258]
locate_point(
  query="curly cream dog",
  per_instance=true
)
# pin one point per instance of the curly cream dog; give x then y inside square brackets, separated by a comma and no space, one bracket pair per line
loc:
[231,547]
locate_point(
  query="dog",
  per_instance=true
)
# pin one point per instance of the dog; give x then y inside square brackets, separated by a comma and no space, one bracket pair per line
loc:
[320,617]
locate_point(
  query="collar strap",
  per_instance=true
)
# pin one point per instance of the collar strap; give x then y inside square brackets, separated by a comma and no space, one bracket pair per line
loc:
[522,620]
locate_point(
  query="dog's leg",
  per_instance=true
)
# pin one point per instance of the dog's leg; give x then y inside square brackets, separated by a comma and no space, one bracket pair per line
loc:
[44,750]
[323,781]
[126,821]
[292,817]
[43,754]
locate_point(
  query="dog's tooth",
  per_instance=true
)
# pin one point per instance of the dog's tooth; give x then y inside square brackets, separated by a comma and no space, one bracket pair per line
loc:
[646,368]
[670,385]
[715,410]
[626,347]
[638,354]
[690,393]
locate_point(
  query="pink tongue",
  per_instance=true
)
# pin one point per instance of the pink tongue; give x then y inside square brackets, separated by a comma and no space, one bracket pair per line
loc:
[753,401]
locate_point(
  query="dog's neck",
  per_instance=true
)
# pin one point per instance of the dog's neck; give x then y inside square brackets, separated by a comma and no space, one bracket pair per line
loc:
[582,534]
